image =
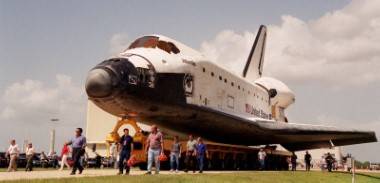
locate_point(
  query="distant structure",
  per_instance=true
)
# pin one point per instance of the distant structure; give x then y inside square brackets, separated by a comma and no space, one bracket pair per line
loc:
[52,141]
[318,157]
[99,124]
[374,166]
[25,145]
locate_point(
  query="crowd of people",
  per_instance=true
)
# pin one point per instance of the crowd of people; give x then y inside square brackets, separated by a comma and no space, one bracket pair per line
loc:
[78,143]
[195,152]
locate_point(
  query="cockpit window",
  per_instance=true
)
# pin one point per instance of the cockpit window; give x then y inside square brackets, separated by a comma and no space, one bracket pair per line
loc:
[153,42]
[173,48]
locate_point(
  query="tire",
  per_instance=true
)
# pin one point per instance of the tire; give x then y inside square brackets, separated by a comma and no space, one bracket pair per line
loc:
[142,166]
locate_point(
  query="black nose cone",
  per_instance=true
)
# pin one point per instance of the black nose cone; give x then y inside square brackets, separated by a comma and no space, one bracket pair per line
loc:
[99,83]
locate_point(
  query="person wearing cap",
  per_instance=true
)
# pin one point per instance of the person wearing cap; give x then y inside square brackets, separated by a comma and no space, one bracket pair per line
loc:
[191,154]
[29,152]
[154,148]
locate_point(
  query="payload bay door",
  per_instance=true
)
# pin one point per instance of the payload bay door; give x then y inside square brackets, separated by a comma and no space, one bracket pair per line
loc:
[221,97]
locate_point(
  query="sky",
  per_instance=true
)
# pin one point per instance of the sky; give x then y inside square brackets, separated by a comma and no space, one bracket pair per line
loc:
[327,52]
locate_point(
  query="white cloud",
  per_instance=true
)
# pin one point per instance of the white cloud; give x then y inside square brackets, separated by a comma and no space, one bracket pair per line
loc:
[118,43]
[27,107]
[7,113]
[31,99]
[340,48]
[229,49]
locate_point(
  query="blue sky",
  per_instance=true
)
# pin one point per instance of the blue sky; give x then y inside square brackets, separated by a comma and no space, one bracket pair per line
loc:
[47,48]
[71,36]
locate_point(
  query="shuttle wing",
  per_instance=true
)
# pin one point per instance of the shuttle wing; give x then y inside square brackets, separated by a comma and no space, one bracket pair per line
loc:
[231,129]
[303,136]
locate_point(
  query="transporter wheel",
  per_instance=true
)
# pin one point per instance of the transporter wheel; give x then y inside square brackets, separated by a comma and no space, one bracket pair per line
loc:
[229,162]
[216,163]
[165,165]
[142,166]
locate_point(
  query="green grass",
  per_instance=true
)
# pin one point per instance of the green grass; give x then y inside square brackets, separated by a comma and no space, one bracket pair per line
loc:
[252,177]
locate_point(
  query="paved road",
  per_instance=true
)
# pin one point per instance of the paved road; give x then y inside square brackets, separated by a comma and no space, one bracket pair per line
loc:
[46,174]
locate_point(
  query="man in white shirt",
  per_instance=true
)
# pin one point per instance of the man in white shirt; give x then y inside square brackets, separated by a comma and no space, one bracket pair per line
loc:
[29,157]
[191,148]
[13,152]
[261,156]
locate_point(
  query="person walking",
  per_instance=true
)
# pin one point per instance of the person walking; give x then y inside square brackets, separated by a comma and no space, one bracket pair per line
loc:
[202,154]
[329,161]
[64,154]
[125,147]
[293,160]
[175,154]
[29,152]
[307,161]
[78,144]
[13,152]
[261,155]
[154,148]
[191,154]
[349,162]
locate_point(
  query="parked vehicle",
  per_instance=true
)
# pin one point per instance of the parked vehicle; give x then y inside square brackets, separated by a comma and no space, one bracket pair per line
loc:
[95,162]
[108,162]
[36,160]
[3,160]
[21,160]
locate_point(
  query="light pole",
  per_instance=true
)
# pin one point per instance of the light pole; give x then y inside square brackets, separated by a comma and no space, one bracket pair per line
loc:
[52,135]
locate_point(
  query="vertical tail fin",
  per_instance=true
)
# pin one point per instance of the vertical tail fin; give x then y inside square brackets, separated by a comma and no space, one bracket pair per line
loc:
[254,67]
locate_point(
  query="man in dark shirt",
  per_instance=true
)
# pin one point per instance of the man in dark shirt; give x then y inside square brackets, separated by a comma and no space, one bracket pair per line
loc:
[307,161]
[329,160]
[202,154]
[79,144]
[293,160]
[125,147]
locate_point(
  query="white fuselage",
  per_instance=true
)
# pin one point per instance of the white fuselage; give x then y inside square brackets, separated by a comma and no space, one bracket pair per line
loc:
[213,86]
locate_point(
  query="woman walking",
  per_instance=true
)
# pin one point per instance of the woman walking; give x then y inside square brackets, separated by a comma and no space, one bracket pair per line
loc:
[64,154]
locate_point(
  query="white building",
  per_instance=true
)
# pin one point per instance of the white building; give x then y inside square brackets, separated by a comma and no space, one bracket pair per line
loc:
[98,125]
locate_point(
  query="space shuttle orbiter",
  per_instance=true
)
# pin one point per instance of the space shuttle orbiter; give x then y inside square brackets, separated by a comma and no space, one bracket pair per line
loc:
[162,81]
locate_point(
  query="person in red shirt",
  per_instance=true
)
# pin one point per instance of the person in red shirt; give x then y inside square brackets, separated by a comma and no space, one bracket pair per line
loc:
[154,148]
[64,154]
